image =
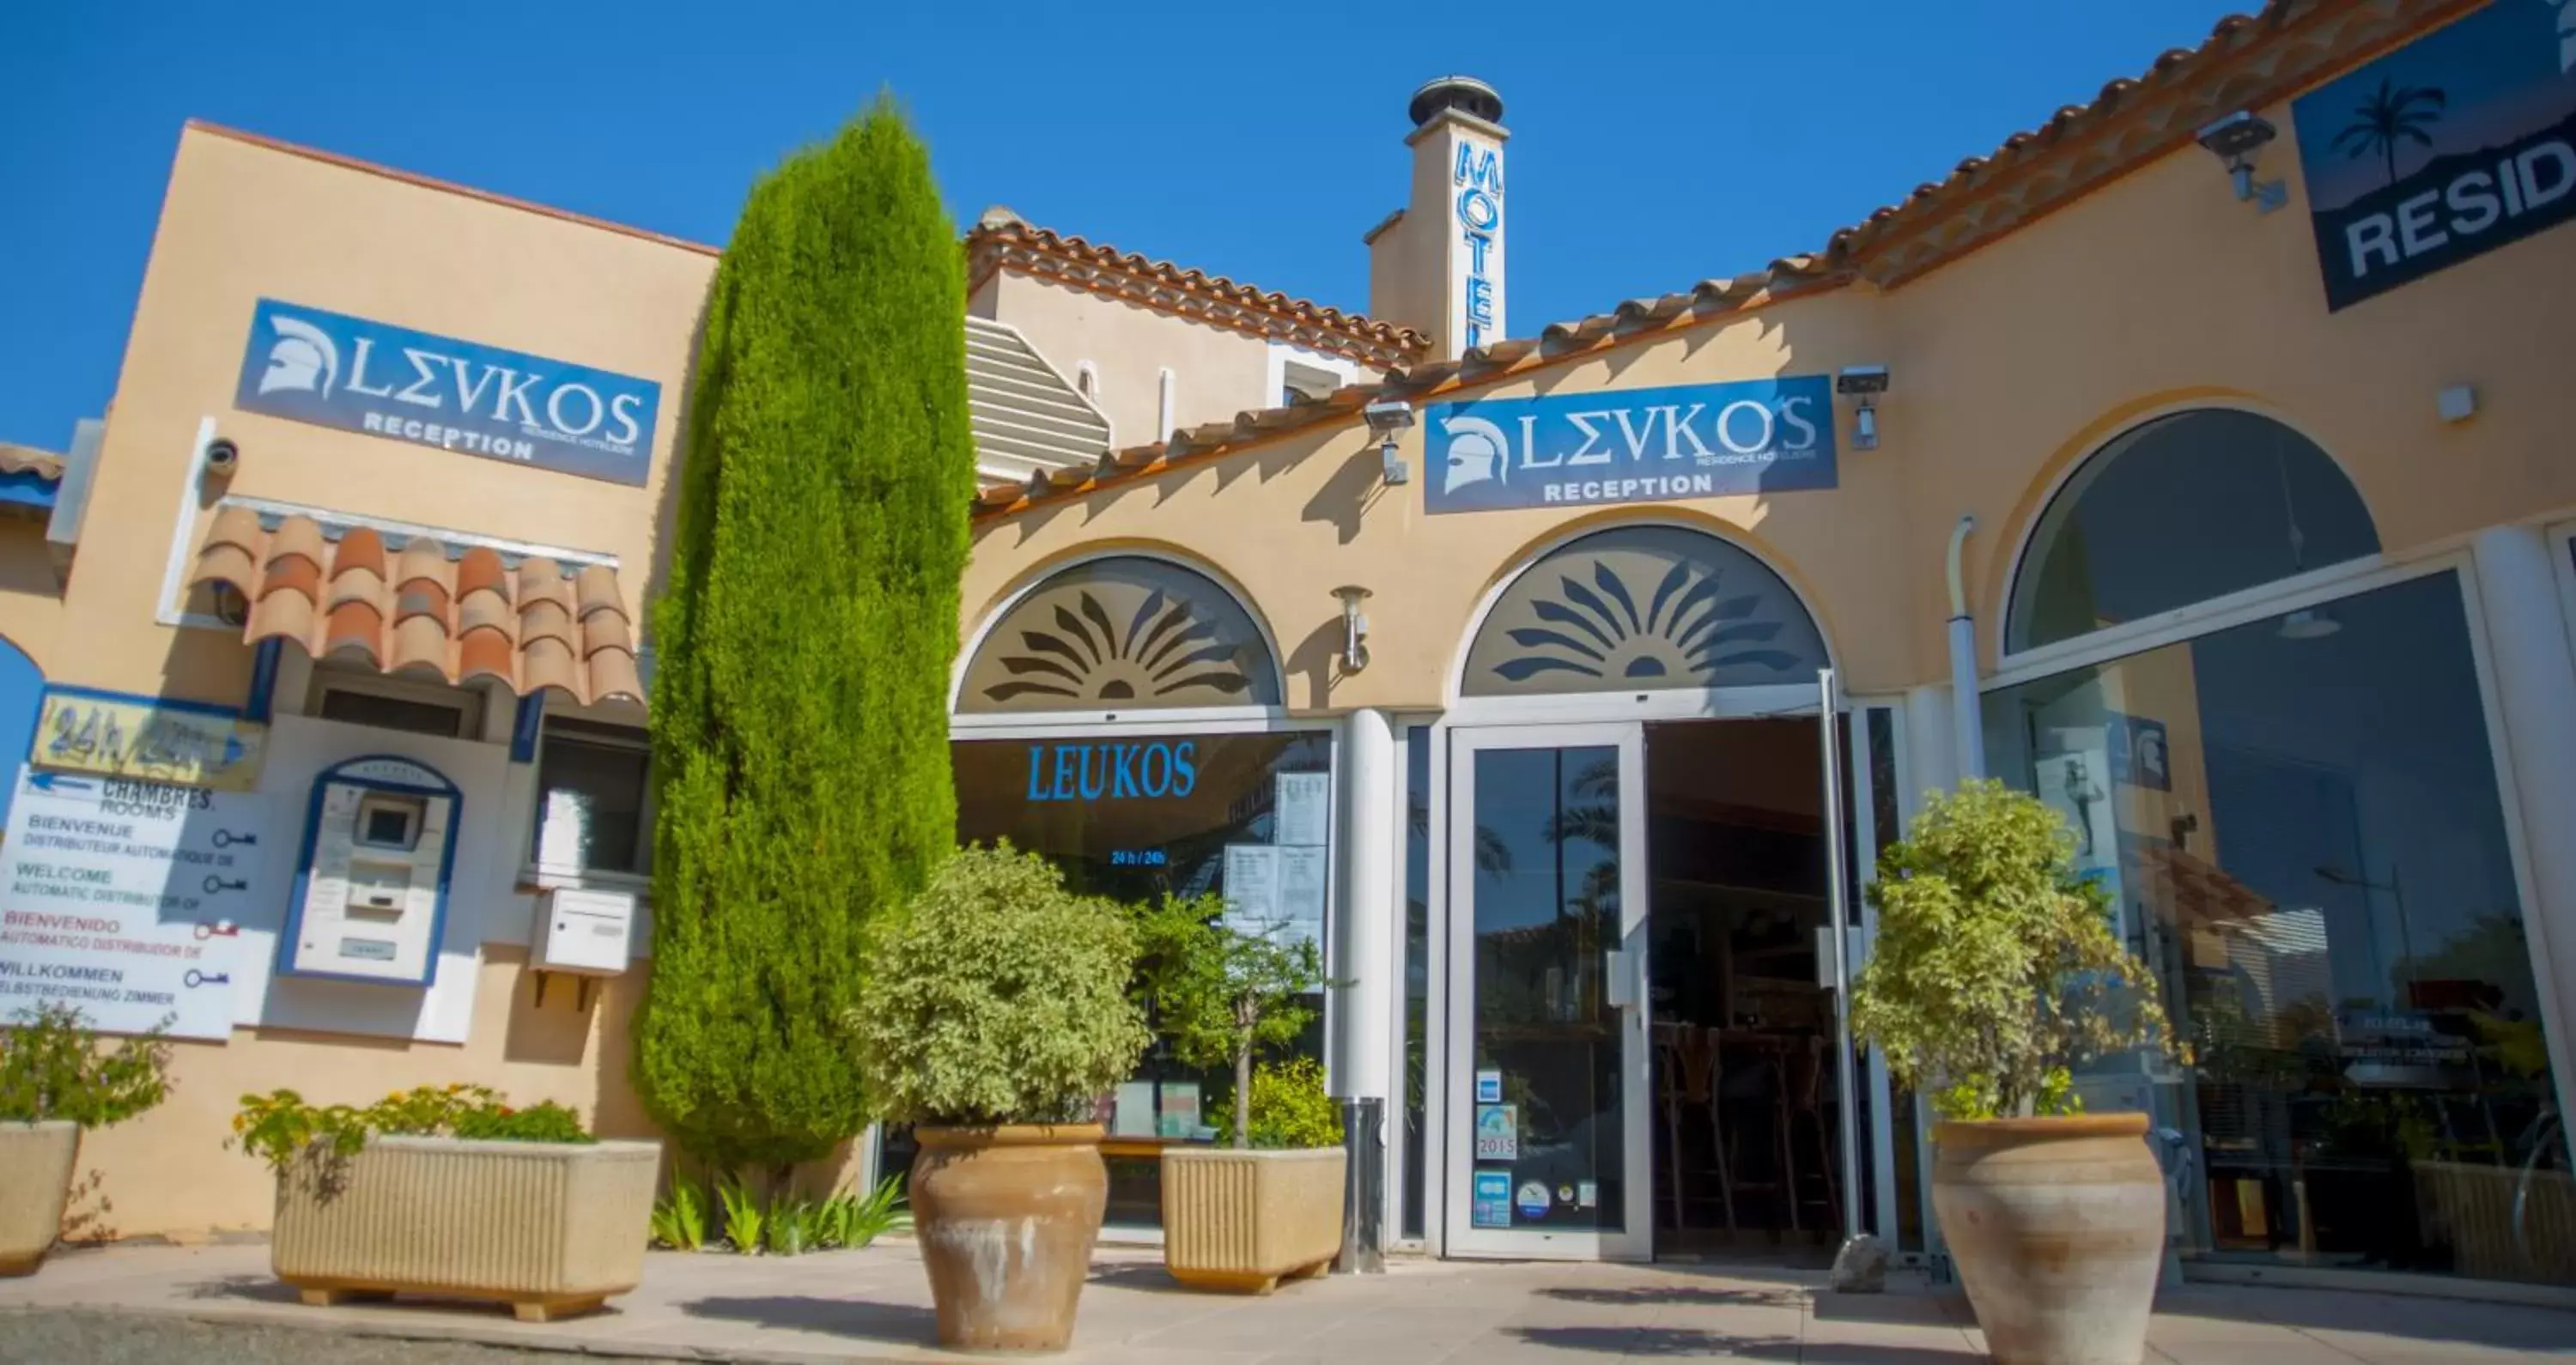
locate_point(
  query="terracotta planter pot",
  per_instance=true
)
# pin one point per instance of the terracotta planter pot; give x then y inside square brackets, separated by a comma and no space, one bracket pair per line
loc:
[1006,1218]
[2058,1226]
[1244,1220]
[35,1179]
[550,1229]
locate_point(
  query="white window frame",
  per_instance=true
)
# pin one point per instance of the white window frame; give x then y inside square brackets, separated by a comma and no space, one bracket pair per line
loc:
[531,872]
[1282,355]
[1434,966]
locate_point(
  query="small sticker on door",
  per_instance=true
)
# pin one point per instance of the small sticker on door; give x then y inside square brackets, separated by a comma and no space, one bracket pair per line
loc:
[1587,1194]
[1498,1132]
[1532,1199]
[1489,1087]
[1493,1206]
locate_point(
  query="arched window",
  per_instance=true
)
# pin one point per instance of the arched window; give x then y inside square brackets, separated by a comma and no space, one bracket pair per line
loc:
[2180,510]
[1638,608]
[1126,632]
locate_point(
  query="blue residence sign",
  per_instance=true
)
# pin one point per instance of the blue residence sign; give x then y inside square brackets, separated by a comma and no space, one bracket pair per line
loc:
[356,374]
[1631,445]
[2449,147]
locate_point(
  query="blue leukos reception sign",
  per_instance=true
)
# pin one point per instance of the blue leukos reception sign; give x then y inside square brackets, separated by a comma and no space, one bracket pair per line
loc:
[360,375]
[1632,445]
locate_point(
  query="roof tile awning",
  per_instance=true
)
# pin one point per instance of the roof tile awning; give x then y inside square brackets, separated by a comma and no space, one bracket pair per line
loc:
[457,616]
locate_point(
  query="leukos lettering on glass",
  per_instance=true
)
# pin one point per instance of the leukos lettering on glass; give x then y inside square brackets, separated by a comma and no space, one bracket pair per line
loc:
[1113,772]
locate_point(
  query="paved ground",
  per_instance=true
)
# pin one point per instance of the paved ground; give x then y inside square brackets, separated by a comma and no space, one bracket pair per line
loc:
[81,1338]
[219,1303]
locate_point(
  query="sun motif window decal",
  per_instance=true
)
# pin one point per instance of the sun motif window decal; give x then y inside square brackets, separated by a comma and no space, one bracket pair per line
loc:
[1124,631]
[1643,607]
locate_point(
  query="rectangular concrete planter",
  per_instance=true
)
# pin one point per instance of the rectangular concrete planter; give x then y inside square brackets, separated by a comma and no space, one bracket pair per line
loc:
[1245,1220]
[2470,1208]
[35,1179]
[550,1229]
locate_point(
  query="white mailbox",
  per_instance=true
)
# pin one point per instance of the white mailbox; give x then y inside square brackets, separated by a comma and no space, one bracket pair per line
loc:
[371,887]
[585,931]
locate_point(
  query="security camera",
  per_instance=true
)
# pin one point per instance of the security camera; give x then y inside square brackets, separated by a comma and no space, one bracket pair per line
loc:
[222,457]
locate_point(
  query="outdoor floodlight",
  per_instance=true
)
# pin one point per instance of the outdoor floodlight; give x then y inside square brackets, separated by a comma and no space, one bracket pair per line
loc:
[2234,140]
[1389,417]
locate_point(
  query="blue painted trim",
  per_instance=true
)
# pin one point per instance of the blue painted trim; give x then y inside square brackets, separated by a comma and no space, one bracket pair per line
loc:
[29,489]
[294,931]
[263,680]
[203,708]
[523,731]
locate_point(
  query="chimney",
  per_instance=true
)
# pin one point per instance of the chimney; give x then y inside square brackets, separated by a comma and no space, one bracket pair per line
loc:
[1436,265]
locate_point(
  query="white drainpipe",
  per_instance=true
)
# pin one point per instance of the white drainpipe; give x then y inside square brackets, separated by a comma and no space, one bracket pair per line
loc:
[1967,720]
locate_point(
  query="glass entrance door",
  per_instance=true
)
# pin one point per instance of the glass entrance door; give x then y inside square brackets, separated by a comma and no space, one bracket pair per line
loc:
[1547,1118]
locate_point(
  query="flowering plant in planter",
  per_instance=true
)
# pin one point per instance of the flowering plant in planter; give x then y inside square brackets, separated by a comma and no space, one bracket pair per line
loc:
[450,1189]
[281,1126]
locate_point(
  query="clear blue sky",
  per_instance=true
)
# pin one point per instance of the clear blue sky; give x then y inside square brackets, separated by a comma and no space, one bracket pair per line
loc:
[1653,144]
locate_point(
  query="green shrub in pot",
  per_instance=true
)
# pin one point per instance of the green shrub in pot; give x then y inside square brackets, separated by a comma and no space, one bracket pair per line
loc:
[1996,977]
[56,1081]
[996,1016]
[997,997]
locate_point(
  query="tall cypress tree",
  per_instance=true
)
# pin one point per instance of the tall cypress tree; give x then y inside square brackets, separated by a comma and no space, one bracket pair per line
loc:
[804,639]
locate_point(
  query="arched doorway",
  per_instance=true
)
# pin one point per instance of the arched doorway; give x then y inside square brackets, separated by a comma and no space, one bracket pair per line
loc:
[1121,717]
[1642,851]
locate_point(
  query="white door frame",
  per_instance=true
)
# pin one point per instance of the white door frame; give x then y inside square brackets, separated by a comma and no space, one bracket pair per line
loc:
[1634,1241]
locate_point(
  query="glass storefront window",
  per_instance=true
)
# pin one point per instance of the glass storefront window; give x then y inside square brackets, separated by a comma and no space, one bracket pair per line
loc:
[2180,510]
[1137,817]
[1417,964]
[2301,822]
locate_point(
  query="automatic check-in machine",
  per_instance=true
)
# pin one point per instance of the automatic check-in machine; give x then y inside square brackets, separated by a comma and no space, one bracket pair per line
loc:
[371,886]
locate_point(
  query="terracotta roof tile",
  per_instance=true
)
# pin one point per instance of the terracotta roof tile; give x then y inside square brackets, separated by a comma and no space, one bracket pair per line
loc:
[1003,240]
[454,616]
[2247,62]
[18,459]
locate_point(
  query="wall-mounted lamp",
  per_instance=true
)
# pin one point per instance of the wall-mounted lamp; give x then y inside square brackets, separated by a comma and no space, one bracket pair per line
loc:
[1865,383]
[2234,140]
[1389,418]
[1354,626]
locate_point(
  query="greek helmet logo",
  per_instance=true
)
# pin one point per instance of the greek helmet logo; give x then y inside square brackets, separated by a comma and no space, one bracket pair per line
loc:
[1478,452]
[303,358]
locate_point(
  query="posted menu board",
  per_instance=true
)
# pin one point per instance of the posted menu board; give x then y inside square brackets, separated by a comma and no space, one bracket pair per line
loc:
[120,897]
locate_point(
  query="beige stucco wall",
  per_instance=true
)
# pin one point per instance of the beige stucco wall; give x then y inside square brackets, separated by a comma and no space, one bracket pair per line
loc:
[1218,371]
[31,607]
[243,221]
[2009,366]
